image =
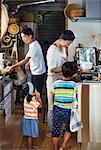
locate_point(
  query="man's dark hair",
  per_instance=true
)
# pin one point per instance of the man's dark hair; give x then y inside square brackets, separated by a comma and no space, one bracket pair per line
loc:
[28,31]
[69,69]
[67,35]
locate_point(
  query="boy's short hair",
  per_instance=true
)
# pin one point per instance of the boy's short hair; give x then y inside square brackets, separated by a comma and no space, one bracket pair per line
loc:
[69,69]
[28,31]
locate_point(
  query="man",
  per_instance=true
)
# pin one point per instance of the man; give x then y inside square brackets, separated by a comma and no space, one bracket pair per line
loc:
[34,59]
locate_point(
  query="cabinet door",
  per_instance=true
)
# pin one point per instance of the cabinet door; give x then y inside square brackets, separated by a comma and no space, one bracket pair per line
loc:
[95,113]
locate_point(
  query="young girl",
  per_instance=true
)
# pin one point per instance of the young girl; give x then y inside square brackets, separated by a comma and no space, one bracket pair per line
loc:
[32,101]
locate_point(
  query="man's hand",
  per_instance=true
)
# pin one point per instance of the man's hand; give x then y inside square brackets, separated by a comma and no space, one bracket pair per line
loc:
[9,69]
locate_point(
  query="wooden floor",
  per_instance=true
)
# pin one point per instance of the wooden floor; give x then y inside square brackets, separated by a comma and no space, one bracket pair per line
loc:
[11,138]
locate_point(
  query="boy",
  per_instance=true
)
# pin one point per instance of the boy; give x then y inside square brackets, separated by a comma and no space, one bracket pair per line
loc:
[64,93]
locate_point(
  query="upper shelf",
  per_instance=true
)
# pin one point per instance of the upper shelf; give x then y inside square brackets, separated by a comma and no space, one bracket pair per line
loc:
[75,19]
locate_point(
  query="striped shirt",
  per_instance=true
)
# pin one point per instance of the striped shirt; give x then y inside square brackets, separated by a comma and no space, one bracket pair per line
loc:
[65,93]
[30,109]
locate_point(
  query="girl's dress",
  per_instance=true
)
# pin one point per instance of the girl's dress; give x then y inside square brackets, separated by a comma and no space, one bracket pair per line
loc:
[29,123]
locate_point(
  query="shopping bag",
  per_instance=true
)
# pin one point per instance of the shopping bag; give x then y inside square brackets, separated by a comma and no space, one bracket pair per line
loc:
[75,120]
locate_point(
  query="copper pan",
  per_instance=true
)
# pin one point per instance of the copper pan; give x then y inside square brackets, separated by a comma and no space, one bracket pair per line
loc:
[6,41]
[13,28]
[73,10]
[4,20]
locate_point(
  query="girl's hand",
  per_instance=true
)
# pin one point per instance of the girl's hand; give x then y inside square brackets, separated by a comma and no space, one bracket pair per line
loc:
[37,95]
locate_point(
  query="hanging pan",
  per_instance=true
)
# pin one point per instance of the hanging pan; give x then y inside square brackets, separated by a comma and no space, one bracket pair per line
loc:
[6,41]
[13,29]
[73,10]
[4,20]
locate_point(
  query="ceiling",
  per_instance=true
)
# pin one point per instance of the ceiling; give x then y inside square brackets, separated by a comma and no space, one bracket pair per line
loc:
[13,5]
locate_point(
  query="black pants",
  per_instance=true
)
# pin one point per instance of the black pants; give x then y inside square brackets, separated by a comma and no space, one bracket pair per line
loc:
[39,81]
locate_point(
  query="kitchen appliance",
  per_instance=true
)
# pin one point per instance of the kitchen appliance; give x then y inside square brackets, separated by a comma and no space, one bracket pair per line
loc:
[87,57]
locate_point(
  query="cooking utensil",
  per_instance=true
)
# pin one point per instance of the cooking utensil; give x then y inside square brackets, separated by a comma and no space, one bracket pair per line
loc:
[13,29]
[73,10]
[4,20]
[6,41]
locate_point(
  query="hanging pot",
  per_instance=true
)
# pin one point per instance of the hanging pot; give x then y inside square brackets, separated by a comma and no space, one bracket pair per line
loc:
[4,20]
[13,29]
[73,10]
[7,41]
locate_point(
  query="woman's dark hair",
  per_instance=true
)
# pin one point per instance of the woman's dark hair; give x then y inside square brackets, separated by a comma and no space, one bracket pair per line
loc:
[25,92]
[69,69]
[28,31]
[67,35]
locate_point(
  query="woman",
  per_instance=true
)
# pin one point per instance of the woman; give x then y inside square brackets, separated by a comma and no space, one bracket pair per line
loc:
[57,55]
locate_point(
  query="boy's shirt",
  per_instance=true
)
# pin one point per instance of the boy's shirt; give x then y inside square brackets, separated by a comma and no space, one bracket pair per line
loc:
[65,93]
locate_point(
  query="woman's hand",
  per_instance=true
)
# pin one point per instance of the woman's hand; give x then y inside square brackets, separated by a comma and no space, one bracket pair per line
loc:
[27,66]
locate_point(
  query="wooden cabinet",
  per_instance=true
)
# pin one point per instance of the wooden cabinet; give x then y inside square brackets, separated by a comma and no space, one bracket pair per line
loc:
[89,96]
